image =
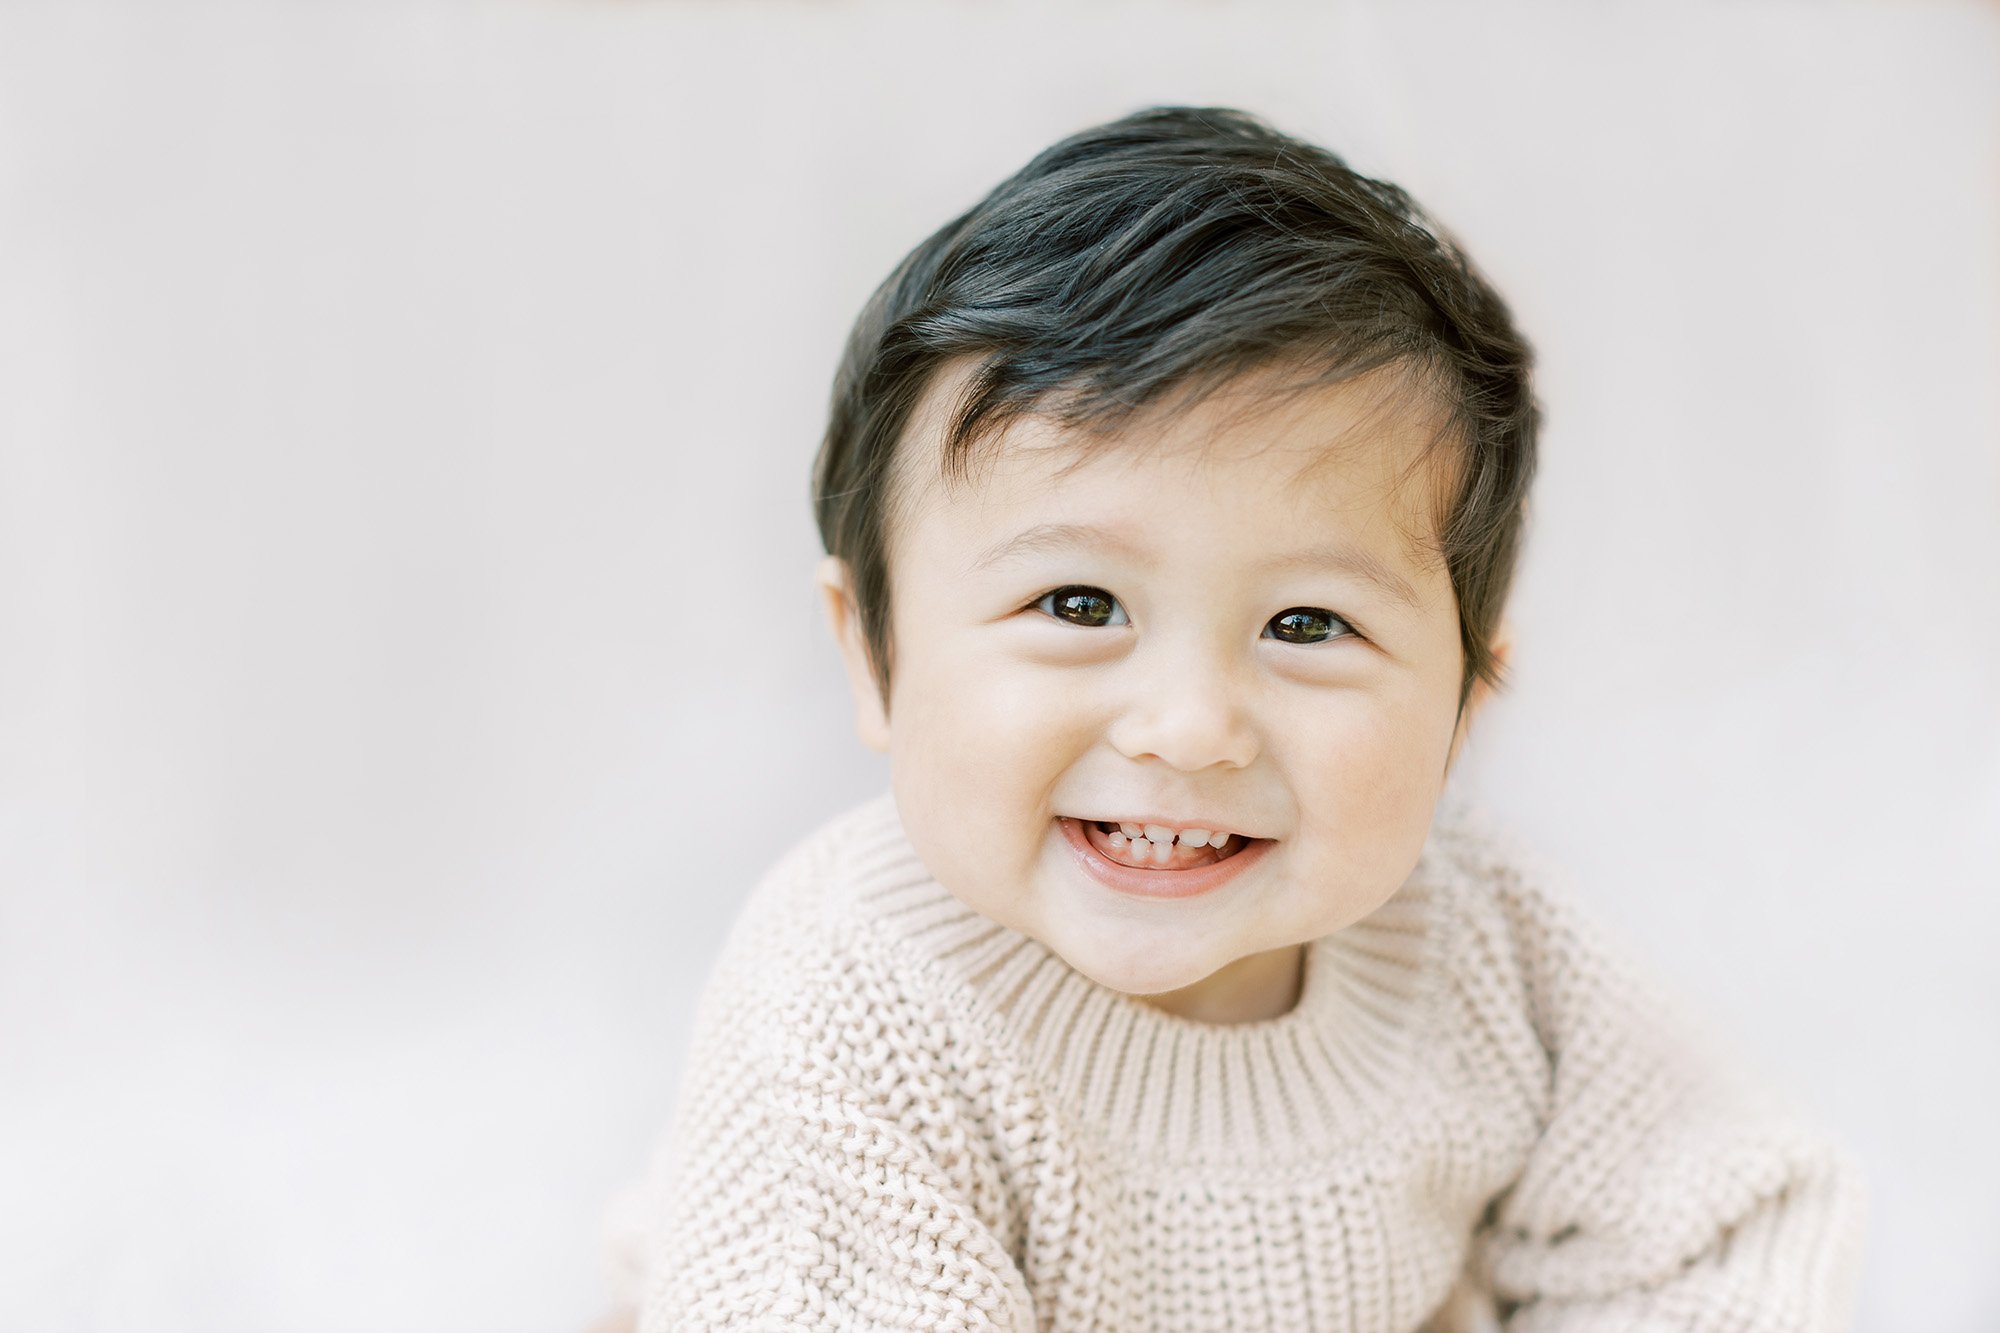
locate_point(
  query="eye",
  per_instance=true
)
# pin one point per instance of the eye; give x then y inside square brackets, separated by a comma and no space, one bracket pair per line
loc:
[1086,607]
[1309,625]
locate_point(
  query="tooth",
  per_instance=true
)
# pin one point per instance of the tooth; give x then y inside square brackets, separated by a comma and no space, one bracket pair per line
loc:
[1194,837]
[1163,852]
[1159,833]
[1132,830]
[1217,838]
[1117,840]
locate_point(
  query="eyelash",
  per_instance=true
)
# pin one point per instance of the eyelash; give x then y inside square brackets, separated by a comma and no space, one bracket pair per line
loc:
[1354,631]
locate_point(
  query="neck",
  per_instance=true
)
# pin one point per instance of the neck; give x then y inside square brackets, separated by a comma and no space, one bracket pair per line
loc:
[1249,990]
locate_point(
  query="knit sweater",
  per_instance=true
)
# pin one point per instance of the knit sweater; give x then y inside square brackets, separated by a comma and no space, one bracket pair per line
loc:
[899,1114]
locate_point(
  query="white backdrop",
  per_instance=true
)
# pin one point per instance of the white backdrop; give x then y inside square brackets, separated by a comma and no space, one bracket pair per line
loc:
[407,650]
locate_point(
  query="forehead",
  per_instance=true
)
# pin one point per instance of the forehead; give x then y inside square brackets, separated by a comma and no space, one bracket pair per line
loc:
[1366,457]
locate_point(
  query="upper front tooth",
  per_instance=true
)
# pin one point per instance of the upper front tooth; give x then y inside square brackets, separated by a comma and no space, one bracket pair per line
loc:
[1132,830]
[1194,837]
[1217,838]
[1159,833]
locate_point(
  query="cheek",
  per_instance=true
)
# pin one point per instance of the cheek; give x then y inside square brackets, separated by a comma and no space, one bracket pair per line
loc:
[1369,755]
[996,716]
[1366,777]
[977,751]
[976,754]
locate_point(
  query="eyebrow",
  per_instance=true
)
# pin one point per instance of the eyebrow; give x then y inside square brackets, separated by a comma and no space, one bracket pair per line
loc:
[1358,561]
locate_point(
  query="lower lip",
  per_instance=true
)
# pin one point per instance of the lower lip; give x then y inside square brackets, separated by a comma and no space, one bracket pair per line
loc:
[1158,883]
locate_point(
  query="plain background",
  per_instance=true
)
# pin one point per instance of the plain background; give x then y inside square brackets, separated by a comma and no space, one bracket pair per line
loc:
[407,649]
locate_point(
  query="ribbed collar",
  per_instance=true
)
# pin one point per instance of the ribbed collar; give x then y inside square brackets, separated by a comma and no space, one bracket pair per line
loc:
[1167,1088]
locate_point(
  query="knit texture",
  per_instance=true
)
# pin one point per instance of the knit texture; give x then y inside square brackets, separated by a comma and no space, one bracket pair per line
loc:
[898,1114]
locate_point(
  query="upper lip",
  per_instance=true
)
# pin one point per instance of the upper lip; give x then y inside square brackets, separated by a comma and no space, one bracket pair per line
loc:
[1177,825]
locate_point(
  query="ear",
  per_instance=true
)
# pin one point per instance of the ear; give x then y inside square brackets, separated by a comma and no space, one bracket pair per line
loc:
[1502,649]
[836,590]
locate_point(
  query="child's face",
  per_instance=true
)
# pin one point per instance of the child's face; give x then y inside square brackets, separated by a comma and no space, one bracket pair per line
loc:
[1190,670]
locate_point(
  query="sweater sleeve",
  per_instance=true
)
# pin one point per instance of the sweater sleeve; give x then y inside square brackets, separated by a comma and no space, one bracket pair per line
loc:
[1666,1189]
[818,1173]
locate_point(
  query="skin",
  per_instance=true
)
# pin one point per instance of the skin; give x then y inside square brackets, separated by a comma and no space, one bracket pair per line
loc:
[1180,693]
[1003,716]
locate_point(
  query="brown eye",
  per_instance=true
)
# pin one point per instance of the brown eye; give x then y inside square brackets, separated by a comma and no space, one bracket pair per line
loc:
[1087,607]
[1308,625]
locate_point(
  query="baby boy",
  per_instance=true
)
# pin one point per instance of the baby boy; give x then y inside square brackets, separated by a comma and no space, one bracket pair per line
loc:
[1172,495]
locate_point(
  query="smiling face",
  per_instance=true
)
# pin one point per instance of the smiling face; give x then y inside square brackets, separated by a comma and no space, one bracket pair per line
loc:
[1224,620]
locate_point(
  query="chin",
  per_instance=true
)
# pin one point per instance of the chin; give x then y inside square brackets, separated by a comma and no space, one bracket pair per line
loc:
[1145,973]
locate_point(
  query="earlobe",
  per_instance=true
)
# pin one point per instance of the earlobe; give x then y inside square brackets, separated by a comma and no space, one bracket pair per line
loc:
[1502,648]
[831,576]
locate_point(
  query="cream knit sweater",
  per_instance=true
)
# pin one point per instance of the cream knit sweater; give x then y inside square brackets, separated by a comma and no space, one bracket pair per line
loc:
[897,1114]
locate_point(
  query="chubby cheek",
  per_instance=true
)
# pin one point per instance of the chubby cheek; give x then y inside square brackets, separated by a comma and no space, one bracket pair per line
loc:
[976,752]
[1366,781]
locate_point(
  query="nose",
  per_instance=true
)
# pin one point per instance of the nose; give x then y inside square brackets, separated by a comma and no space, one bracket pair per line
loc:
[1188,710]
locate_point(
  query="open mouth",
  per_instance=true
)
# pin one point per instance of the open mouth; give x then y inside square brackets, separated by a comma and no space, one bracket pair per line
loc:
[1115,844]
[1163,868]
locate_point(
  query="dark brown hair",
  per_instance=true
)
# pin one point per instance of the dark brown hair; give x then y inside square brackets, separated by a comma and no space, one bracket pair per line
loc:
[1173,251]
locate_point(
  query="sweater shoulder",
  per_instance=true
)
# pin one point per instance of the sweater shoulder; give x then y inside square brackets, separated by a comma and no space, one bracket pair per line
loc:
[1515,909]
[824,1123]
[1521,950]
[791,900]
[802,953]
[1530,959]
[1488,868]
[802,1003]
